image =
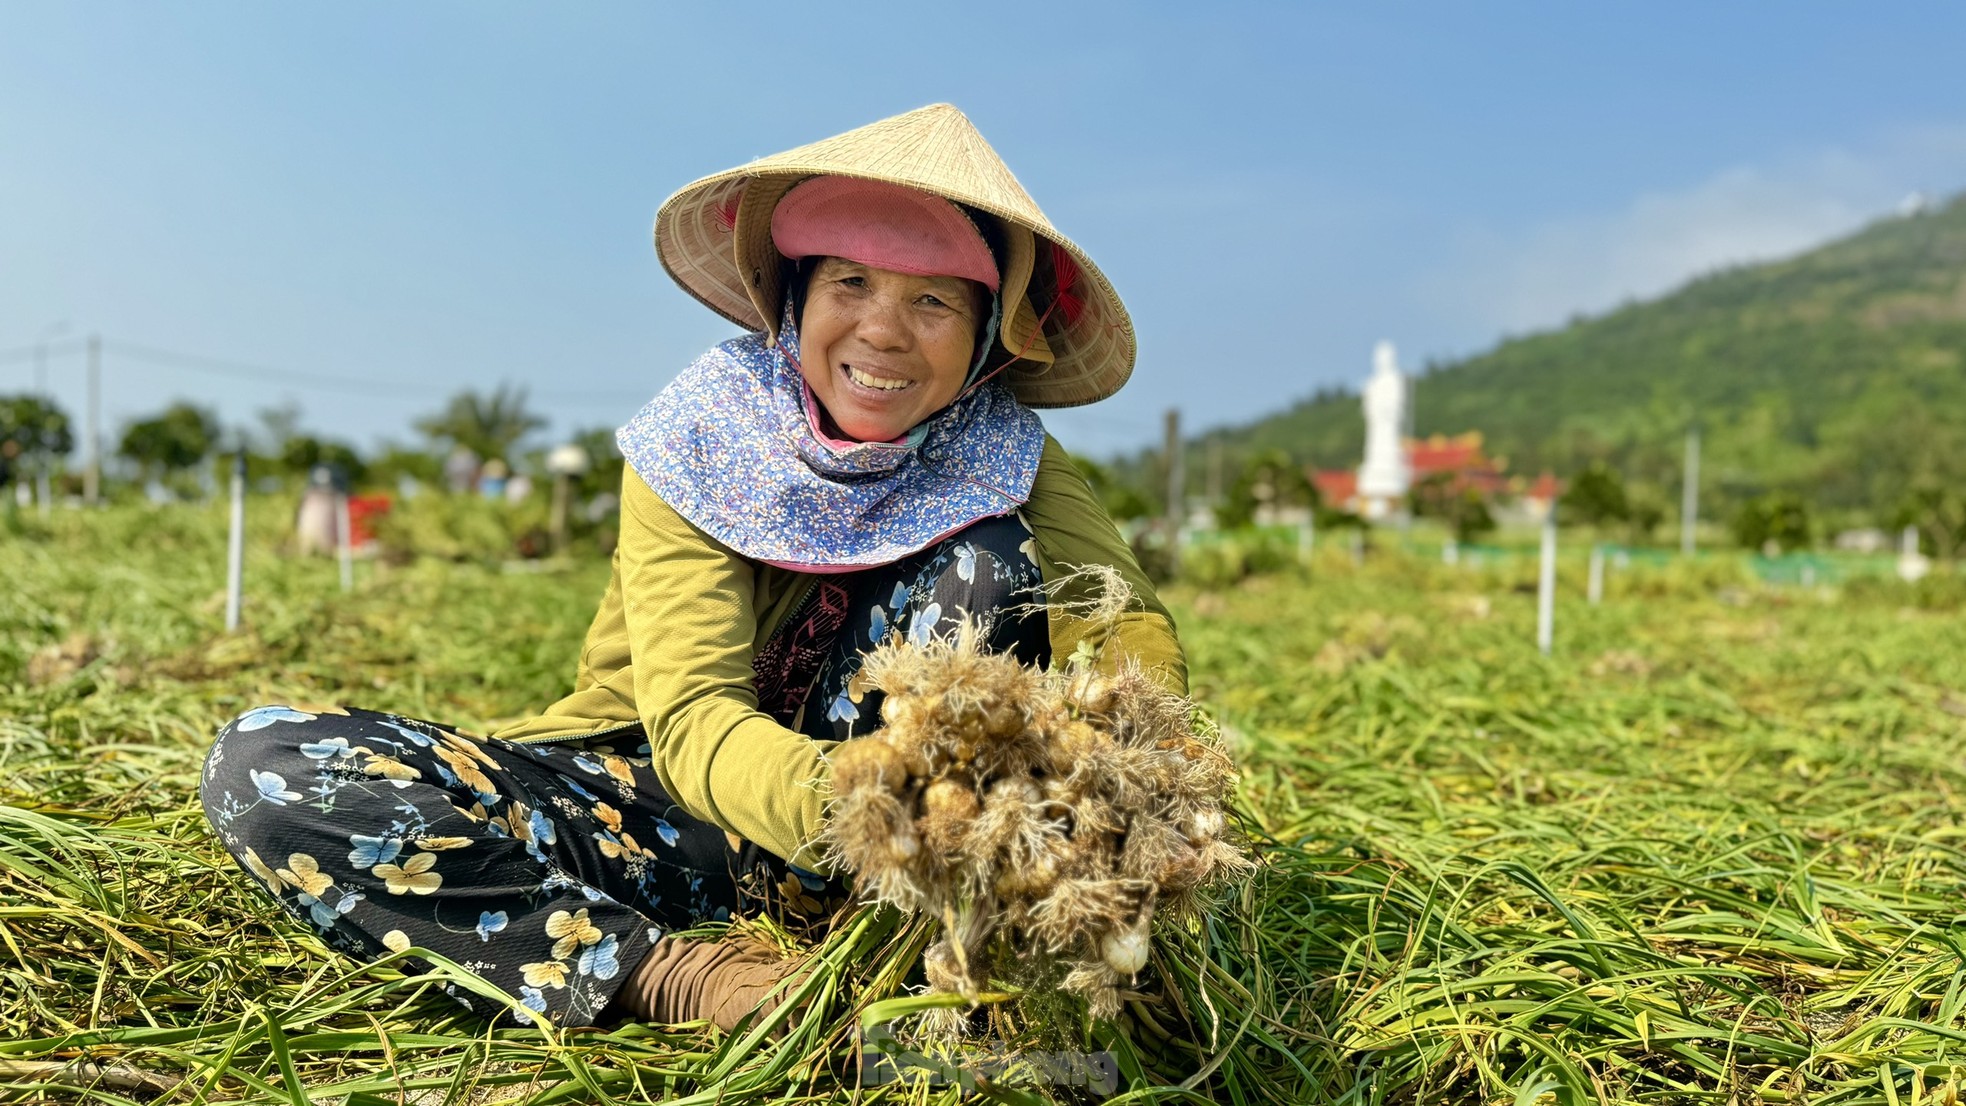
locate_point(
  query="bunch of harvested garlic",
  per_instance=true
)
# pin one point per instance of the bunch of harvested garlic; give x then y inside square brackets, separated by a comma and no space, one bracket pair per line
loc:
[1045,818]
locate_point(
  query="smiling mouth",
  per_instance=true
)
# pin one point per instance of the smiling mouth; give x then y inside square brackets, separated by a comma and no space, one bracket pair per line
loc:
[878,383]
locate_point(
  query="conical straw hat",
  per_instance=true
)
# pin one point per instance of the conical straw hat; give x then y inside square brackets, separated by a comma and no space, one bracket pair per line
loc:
[1074,345]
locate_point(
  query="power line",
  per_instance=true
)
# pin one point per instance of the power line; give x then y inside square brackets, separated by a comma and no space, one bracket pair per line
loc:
[155,355]
[51,349]
[318,381]
[247,370]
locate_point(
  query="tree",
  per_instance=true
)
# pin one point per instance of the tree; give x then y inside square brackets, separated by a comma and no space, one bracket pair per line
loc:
[604,468]
[32,431]
[1470,516]
[282,424]
[301,453]
[1647,506]
[393,462]
[1939,513]
[1596,497]
[1268,479]
[1122,500]
[488,425]
[1463,509]
[1778,519]
[282,448]
[174,441]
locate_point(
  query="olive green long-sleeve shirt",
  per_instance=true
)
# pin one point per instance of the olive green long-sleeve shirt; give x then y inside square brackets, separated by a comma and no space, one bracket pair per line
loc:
[672,643]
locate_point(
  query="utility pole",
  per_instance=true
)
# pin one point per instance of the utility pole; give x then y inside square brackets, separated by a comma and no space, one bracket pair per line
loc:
[1546,586]
[235,546]
[344,538]
[564,462]
[41,355]
[1215,470]
[1176,484]
[1689,495]
[92,476]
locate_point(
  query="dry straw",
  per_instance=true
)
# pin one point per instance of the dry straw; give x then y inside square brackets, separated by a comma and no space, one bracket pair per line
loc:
[1729,873]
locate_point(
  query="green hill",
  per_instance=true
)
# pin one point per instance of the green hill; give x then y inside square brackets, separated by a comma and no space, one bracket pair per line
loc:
[1839,374]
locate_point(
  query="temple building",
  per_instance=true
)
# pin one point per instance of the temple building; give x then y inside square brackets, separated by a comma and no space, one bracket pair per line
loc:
[1459,461]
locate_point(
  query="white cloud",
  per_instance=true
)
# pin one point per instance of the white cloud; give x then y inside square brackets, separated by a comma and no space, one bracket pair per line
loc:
[1512,282]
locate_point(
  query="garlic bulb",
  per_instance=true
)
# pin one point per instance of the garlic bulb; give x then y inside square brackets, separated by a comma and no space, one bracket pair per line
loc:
[1206,825]
[867,762]
[1092,692]
[1125,951]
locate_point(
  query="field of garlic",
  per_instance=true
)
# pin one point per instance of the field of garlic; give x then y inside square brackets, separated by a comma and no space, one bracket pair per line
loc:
[1708,851]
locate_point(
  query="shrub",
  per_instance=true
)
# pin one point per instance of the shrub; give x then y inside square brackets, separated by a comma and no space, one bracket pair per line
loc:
[464,528]
[1596,496]
[1236,556]
[1778,519]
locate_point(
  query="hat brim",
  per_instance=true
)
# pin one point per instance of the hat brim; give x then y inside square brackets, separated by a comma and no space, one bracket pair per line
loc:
[712,237]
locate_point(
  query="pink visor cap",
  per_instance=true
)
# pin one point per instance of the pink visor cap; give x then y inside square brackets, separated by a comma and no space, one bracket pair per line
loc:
[884,225]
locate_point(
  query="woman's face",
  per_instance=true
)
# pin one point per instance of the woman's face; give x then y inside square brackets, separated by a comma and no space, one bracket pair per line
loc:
[884,350]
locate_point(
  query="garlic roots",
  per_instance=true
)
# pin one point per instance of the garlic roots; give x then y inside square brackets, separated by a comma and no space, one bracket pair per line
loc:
[1058,812]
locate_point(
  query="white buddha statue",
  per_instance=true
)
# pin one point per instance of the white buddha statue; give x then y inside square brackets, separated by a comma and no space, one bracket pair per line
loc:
[1385,476]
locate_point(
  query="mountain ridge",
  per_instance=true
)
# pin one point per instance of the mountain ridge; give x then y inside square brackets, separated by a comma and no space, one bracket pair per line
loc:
[1838,373]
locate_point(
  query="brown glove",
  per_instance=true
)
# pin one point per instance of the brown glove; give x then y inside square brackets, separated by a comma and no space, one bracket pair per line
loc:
[716,981]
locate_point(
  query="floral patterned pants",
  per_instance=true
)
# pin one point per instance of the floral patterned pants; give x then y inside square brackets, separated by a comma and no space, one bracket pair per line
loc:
[549,869]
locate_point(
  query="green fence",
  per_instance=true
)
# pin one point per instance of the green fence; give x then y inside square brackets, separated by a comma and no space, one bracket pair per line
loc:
[1800,569]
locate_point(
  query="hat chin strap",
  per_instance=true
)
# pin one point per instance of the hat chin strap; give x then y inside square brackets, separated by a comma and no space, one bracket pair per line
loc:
[989,338]
[1037,328]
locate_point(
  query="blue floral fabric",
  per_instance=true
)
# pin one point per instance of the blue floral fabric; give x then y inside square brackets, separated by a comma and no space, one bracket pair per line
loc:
[550,869]
[731,444]
[988,574]
[544,868]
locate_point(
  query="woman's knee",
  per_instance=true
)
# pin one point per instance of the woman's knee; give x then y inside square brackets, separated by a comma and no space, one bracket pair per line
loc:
[256,758]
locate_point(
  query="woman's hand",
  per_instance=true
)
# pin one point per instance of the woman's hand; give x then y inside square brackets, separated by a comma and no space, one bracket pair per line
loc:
[868,761]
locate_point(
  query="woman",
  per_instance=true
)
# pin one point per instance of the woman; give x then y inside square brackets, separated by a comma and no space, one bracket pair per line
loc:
[863,463]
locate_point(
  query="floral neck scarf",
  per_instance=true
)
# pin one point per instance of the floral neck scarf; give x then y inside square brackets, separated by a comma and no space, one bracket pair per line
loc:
[732,444]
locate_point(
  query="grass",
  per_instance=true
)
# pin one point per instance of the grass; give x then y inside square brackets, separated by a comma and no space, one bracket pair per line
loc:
[1708,851]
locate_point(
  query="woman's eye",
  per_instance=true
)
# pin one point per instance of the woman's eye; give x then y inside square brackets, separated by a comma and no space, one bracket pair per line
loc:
[933,301]
[854,281]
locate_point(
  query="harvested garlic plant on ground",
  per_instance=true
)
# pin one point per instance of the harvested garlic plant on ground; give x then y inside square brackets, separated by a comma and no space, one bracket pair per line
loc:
[1045,818]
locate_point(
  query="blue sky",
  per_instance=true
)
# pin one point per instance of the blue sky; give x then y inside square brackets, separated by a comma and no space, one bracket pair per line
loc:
[440,195]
